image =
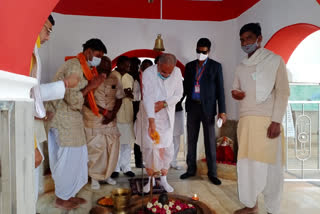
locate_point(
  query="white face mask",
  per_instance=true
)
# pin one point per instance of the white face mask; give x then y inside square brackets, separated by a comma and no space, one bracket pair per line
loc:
[95,61]
[202,57]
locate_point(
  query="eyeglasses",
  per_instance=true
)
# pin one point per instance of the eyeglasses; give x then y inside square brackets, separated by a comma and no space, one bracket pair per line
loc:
[203,52]
[49,30]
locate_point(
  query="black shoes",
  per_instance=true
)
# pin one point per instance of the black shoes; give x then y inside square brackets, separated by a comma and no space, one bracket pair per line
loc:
[187,175]
[140,165]
[114,175]
[129,174]
[214,180]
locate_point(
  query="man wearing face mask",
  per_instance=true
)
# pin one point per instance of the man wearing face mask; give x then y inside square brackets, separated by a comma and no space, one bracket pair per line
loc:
[162,90]
[101,130]
[203,87]
[68,153]
[262,88]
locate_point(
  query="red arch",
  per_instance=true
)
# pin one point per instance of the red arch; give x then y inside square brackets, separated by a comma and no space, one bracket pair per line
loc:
[285,41]
[145,53]
[21,22]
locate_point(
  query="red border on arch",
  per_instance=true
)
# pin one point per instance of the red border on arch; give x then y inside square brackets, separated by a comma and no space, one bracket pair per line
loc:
[286,40]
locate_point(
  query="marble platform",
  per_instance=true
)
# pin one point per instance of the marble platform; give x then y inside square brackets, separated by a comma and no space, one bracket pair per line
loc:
[298,197]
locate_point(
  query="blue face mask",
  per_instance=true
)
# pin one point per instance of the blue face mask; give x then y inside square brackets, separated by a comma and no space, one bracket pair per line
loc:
[162,77]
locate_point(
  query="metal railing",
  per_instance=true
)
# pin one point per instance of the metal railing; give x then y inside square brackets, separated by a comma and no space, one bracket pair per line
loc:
[302,145]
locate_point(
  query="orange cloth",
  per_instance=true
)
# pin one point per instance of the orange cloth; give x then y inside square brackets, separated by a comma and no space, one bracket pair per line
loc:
[89,74]
[155,137]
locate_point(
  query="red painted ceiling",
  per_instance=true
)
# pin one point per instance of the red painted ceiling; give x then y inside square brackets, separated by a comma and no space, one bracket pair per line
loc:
[18,35]
[197,10]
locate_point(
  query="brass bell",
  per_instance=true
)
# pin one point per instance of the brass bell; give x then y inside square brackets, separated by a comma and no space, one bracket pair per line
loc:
[158,45]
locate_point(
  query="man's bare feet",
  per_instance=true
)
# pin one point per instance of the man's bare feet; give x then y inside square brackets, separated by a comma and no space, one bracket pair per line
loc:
[78,200]
[247,210]
[66,205]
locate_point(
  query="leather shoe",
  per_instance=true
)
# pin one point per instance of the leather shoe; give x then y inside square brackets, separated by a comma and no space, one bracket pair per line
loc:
[140,165]
[129,174]
[114,175]
[186,175]
[214,180]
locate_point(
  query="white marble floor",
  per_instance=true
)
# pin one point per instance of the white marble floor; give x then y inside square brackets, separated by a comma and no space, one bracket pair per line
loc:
[298,197]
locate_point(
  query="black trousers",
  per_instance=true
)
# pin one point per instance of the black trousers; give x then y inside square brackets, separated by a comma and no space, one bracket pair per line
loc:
[194,117]
[136,148]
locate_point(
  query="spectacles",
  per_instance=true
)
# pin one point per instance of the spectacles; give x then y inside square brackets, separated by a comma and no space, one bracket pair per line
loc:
[203,52]
[49,30]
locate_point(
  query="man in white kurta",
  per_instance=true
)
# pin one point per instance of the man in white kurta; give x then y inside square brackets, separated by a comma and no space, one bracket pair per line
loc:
[42,93]
[162,89]
[125,118]
[261,86]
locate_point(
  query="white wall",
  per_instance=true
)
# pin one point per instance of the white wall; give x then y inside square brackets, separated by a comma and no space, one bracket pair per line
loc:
[121,35]
[304,63]
[180,37]
[276,14]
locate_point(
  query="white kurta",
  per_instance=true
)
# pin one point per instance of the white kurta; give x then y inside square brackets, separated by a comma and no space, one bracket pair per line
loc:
[155,89]
[51,91]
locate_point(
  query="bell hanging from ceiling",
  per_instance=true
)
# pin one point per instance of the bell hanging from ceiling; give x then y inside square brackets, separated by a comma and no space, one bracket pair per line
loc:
[158,45]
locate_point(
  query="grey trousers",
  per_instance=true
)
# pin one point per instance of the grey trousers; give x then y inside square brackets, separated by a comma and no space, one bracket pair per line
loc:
[194,117]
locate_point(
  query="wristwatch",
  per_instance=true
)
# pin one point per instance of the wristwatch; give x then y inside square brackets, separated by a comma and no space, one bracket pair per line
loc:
[165,105]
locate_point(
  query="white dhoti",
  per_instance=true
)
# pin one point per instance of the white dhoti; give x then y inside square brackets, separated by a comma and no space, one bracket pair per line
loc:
[126,140]
[158,158]
[155,156]
[68,166]
[257,177]
[178,130]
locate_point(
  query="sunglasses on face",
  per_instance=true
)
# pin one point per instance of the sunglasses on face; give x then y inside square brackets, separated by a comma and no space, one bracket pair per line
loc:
[203,52]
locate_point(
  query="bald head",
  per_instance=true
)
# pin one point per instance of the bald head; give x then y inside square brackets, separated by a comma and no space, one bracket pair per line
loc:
[166,64]
[105,66]
[168,59]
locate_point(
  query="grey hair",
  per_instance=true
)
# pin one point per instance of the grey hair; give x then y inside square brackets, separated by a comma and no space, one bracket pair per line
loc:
[167,58]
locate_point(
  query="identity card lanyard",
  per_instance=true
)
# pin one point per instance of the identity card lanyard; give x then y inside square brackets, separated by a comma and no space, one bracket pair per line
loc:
[198,76]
